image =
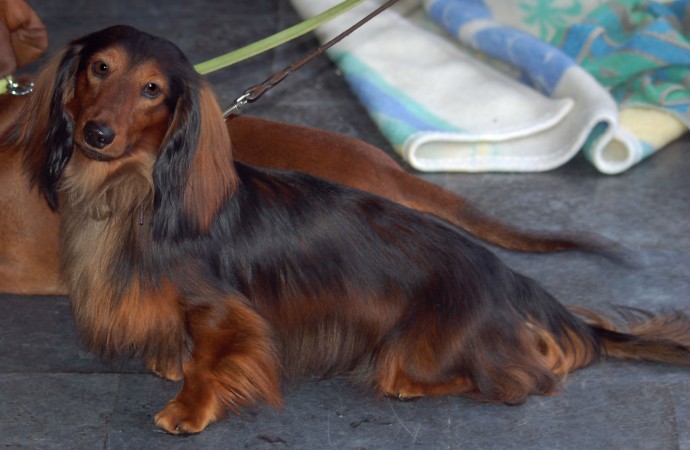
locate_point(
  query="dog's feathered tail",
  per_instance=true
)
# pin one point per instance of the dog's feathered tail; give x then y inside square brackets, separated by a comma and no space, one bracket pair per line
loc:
[643,336]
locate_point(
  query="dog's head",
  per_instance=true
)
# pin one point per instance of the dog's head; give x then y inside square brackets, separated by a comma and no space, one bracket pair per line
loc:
[121,99]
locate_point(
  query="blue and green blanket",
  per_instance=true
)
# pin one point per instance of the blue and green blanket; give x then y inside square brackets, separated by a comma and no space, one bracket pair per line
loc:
[490,85]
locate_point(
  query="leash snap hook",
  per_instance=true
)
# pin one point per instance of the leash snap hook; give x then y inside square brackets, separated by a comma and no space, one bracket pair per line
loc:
[238,103]
[13,87]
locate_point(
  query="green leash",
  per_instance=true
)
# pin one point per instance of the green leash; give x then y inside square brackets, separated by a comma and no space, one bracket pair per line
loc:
[275,40]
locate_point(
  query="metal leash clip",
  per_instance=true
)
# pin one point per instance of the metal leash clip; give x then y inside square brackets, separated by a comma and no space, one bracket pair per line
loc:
[15,88]
[253,93]
[239,102]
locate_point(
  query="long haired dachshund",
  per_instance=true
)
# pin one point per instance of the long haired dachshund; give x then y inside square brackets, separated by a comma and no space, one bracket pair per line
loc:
[234,278]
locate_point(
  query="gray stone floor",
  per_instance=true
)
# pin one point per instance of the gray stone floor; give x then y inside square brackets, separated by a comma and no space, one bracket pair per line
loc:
[53,394]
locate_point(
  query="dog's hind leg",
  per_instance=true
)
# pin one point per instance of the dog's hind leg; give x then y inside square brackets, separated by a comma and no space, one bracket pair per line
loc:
[398,384]
[406,371]
[490,363]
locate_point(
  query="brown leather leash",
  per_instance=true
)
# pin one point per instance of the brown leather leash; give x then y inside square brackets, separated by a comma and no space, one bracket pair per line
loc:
[255,92]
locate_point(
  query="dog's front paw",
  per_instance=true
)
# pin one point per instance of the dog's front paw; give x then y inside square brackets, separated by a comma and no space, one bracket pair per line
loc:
[178,418]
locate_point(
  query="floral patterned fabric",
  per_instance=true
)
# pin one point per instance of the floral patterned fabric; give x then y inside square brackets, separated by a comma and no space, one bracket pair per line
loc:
[638,50]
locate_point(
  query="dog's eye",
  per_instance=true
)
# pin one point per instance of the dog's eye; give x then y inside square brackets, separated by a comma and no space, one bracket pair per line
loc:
[152,90]
[100,68]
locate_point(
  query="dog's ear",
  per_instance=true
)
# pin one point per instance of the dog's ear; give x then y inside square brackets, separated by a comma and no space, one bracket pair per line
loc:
[194,173]
[43,128]
[59,136]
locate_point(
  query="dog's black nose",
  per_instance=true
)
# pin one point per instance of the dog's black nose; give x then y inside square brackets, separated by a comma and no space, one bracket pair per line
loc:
[98,135]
